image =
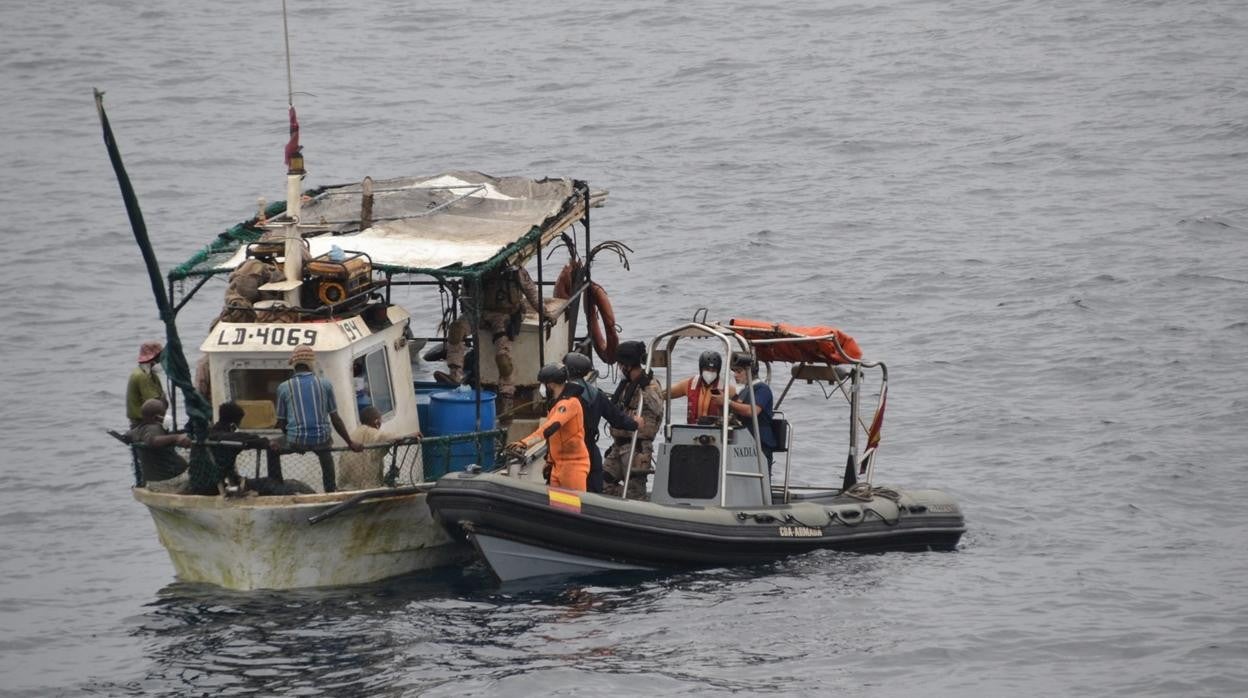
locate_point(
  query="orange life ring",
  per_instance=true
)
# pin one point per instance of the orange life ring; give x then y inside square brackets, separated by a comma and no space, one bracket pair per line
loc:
[606,338]
[563,284]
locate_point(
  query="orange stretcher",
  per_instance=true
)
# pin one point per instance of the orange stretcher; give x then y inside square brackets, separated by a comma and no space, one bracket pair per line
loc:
[819,347]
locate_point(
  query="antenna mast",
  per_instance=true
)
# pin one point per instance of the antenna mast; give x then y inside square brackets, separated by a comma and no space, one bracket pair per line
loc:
[293,266]
[290,90]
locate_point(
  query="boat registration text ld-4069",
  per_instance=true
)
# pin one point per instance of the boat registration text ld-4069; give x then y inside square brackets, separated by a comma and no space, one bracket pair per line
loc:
[800,532]
[260,336]
[266,335]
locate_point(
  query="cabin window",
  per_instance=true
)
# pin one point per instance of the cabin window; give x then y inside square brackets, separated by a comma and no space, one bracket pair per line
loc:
[256,383]
[255,390]
[371,381]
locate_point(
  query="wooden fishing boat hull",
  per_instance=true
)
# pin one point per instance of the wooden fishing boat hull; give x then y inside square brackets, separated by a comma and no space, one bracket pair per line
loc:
[526,530]
[267,542]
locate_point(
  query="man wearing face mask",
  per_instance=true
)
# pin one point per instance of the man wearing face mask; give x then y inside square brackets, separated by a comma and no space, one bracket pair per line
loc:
[595,405]
[706,400]
[563,429]
[745,371]
[144,383]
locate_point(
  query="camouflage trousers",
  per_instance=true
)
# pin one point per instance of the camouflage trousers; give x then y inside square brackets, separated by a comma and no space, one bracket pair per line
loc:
[613,469]
[493,327]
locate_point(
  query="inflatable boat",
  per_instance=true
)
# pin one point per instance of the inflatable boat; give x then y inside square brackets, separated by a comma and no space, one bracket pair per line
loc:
[713,502]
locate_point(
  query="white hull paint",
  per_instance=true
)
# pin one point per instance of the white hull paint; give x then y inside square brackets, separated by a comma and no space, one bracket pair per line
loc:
[511,560]
[267,543]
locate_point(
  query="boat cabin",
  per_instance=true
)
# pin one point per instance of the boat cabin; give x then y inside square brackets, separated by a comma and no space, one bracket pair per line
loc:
[325,272]
[365,358]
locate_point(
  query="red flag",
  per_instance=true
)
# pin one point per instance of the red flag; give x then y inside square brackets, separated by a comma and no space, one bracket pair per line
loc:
[293,146]
[877,424]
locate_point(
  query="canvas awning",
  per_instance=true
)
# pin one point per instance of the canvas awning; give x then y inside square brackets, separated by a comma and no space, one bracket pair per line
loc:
[456,223]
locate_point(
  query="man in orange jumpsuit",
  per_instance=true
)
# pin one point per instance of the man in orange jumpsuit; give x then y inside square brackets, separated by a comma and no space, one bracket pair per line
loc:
[563,429]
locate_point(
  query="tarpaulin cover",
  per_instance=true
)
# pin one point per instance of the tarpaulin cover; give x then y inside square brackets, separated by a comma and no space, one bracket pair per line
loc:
[453,219]
[818,351]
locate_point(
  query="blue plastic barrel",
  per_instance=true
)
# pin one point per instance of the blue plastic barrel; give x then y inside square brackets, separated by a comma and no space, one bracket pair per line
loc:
[423,390]
[455,412]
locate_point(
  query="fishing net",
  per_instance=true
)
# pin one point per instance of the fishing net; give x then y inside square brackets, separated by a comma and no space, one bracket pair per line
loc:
[250,466]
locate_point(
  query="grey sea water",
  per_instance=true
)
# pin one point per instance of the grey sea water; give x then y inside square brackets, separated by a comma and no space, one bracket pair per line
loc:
[1033,211]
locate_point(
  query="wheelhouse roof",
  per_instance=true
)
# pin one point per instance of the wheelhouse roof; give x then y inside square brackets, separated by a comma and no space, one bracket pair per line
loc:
[455,224]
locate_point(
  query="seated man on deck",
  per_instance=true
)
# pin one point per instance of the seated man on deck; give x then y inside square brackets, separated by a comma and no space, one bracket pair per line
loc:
[363,470]
[305,411]
[164,469]
[229,443]
[243,289]
[706,400]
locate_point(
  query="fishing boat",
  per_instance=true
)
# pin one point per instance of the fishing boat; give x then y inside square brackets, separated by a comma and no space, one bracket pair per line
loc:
[714,501]
[343,250]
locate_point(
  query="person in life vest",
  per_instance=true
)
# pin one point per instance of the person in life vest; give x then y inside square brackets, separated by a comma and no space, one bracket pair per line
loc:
[636,385]
[596,405]
[706,400]
[144,383]
[506,294]
[745,372]
[563,429]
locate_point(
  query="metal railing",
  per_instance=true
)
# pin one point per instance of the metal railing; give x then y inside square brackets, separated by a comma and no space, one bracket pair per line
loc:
[250,464]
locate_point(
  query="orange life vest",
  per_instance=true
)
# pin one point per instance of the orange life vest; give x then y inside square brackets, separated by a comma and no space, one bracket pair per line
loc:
[699,397]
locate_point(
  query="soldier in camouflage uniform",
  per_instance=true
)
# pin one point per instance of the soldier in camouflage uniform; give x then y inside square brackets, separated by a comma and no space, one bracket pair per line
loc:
[244,291]
[631,355]
[506,294]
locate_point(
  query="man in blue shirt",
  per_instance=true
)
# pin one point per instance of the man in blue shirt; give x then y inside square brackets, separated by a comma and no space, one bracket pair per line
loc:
[745,371]
[305,412]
